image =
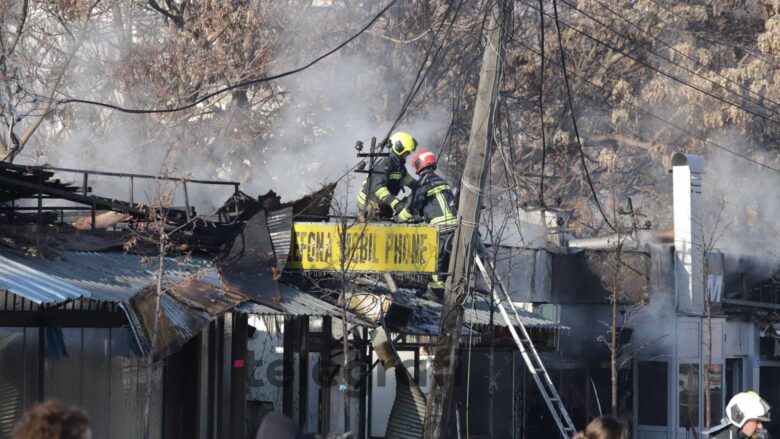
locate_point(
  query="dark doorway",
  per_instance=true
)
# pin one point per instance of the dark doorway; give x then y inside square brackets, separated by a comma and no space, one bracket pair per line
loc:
[769,388]
[180,388]
[733,377]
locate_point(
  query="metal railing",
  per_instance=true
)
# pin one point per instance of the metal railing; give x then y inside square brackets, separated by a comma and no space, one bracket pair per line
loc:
[43,188]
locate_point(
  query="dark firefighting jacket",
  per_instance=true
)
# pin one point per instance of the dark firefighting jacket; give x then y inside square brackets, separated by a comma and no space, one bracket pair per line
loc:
[730,432]
[433,202]
[387,178]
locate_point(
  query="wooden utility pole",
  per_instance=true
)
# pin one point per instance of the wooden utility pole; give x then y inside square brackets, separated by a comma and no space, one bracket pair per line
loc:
[465,240]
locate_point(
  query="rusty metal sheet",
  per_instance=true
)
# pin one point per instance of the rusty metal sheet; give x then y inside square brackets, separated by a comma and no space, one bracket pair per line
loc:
[177,323]
[240,207]
[270,200]
[407,417]
[367,306]
[249,266]
[204,296]
[295,302]
[102,221]
[315,204]
[61,238]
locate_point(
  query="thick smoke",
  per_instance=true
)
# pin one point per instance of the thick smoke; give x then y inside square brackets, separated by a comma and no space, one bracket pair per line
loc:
[308,140]
[343,116]
[742,205]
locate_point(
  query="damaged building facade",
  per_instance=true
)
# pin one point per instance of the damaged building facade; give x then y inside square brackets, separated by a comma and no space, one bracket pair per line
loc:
[234,333]
[87,304]
[665,338]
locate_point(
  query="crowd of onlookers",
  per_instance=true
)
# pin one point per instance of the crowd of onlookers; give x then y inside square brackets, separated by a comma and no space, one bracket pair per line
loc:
[745,415]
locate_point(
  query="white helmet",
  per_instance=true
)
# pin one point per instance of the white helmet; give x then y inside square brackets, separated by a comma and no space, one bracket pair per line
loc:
[746,406]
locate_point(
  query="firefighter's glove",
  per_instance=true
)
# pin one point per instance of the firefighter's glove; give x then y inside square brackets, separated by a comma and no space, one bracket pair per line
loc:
[398,206]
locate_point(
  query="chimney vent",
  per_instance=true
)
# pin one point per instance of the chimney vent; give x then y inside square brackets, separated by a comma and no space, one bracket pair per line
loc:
[688,243]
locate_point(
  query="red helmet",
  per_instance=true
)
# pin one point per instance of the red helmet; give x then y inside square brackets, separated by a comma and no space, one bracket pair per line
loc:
[424,159]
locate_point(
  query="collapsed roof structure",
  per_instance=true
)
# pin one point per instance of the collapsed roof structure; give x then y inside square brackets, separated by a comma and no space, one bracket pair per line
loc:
[169,277]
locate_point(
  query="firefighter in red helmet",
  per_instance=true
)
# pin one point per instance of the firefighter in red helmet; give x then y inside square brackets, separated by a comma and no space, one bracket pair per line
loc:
[433,202]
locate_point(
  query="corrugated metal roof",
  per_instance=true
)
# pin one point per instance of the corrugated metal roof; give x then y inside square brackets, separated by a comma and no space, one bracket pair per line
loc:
[105,276]
[280,228]
[407,416]
[130,281]
[480,315]
[297,303]
[117,277]
[427,314]
[177,324]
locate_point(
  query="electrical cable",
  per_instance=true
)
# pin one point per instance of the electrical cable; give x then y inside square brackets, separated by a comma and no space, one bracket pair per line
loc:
[496,114]
[668,75]
[692,72]
[449,137]
[234,86]
[541,101]
[413,91]
[510,174]
[657,117]
[748,51]
[420,77]
[681,53]
[574,118]
[444,68]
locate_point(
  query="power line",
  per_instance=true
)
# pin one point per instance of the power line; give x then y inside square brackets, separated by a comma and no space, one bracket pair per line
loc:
[420,77]
[757,103]
[668,75]
[541,101]
[574,118]
[748,51]
[679,52]
[234,86]
[413,91]
[655,116]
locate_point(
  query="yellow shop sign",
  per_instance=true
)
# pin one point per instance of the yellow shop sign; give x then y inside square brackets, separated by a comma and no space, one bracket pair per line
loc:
[368,247]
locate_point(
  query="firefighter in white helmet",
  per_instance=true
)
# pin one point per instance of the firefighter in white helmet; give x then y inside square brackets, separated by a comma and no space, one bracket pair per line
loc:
[745,416]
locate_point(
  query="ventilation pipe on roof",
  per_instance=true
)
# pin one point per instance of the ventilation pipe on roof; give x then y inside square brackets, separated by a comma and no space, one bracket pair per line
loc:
[688,240]
[636,241]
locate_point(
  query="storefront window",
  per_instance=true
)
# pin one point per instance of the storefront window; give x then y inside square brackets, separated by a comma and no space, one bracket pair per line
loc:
[653,401]
[688,390]
[716,393]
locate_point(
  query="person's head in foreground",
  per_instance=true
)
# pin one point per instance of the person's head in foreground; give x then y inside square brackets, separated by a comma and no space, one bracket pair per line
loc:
[604,427]
[747,411]
[52,420]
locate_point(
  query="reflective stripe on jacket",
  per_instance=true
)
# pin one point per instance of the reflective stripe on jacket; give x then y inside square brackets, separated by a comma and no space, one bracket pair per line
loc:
[388,177]
[433,202]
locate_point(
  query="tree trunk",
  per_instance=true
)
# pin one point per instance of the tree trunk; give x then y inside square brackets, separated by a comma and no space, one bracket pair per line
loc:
[344,265]
[155,334]
[708,313]
[613,343]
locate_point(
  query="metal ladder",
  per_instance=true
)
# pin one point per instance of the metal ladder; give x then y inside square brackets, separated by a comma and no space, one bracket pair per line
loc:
[530,356]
